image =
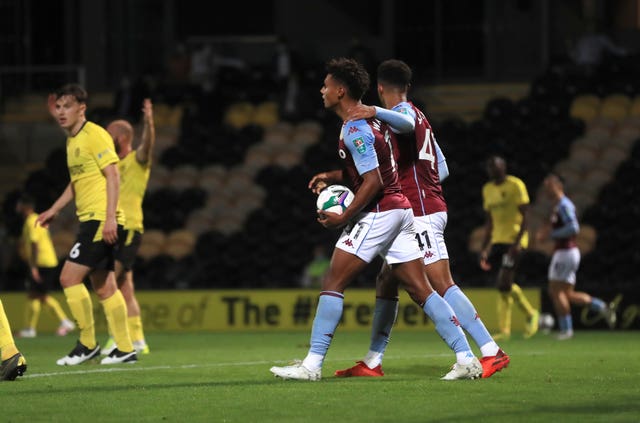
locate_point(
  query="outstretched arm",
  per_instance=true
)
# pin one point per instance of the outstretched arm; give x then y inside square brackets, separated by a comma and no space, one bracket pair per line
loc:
[145,149]
[399,122]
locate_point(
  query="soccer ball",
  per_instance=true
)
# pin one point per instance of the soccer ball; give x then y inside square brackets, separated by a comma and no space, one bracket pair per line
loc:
[334,199]
[546,322]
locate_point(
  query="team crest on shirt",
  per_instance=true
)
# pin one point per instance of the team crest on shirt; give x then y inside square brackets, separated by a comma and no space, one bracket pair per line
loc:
[360,145]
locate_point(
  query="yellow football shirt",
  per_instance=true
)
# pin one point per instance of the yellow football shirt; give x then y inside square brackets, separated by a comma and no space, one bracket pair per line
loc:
[32,234]
[88,152]
[502,202]
[134,177]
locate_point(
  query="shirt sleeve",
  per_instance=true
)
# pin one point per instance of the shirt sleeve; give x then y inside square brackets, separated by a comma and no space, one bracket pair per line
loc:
[443,168]
[103,150]
[522,194]
[401,119]
[570,226]
[359,140]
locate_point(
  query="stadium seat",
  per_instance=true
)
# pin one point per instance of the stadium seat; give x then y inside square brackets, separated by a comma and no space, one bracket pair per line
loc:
[181,236]
[199,221]
[183,177]
[615,107]
[239,114]
[154,236]
[158,178]
[585,107]
[266,114]
[634,109]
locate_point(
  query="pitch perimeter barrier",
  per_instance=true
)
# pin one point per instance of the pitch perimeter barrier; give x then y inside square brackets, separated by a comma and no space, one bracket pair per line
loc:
[294,309]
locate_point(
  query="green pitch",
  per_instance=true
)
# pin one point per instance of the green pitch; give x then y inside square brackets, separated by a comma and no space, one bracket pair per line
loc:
[224,377]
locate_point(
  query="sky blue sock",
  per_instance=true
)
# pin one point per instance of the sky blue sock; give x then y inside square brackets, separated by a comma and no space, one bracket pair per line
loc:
[328,316]
[446,323]
[467,315]
[384,316]
[597,305]
[565,323]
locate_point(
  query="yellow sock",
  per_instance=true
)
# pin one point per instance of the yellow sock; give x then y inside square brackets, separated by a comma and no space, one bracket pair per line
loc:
[56,307]
[505,303]
[521,300]
[115,309]
[135,328]
[32,313]
[81,307]
[7,344]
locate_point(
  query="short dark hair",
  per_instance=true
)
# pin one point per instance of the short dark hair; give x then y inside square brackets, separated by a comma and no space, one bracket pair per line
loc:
[394,72]
[26,199]
[351,73]
[74,90]
[559,177]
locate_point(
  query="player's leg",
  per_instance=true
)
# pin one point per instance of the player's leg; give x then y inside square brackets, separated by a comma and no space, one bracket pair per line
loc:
[49,279]
[507,286]
[343,269]
[32,309]
[384,316]
[558,292]
[358,244]
[125,258]
[415,282]
[115,310]
[13,363]
[571,258]
[81,306]
[134,319]
[493,358]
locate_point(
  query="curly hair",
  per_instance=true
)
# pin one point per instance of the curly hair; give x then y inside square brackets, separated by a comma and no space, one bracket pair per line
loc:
[350,73]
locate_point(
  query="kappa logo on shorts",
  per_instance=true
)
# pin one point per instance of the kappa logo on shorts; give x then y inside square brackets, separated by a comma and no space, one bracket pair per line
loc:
[428,254]
[348,242]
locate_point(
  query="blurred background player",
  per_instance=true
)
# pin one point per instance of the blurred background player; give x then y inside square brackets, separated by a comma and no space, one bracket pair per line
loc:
[505,200]
[135,168]
[13,363]
[421,169]
[562,228]
[379,221]
[94,185]
[36,248]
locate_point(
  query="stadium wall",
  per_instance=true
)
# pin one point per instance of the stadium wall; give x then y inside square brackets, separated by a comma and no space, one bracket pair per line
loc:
[290,309]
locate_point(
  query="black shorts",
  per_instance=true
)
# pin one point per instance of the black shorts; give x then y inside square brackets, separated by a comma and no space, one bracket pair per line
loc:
[499,259]
[48,279]
[128,248]
[97,255]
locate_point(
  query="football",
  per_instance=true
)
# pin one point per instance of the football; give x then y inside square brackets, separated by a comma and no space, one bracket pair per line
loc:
[546,322]
[334,198]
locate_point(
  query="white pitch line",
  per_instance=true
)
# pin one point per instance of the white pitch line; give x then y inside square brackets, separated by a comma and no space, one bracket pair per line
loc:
[141,368]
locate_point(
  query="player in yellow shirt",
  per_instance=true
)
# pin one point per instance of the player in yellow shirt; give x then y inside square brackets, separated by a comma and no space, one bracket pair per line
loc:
[12,362]
[36,248]
[135,168]
[505,202]
[95,184]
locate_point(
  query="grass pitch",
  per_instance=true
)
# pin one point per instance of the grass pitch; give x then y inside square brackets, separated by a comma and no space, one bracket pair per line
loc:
[224,377]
